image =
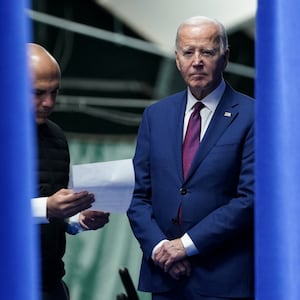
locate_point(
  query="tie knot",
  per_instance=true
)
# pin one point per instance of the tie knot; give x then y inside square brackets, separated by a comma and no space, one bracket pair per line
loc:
[197,107]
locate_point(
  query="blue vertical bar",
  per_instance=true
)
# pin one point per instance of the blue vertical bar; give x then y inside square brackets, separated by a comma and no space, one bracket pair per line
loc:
[18,254]
[277,209]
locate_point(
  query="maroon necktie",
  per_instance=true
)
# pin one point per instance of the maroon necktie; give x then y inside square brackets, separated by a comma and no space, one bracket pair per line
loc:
[192,138]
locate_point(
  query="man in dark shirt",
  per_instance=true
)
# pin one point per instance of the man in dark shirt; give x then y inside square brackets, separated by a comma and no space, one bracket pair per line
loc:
[55,203]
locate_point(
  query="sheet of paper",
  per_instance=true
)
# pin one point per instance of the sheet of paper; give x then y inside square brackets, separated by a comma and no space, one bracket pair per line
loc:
[111,182]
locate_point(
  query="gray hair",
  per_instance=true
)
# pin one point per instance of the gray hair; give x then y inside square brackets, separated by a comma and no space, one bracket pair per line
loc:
[199,20]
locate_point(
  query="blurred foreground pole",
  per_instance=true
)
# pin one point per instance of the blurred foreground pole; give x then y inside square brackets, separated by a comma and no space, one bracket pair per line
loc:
[277,210]
[18,254]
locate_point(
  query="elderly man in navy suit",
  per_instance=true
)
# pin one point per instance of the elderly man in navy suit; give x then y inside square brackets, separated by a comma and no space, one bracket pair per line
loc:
[192,207]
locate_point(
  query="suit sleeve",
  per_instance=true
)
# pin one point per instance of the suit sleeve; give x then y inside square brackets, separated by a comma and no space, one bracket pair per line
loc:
[140,212]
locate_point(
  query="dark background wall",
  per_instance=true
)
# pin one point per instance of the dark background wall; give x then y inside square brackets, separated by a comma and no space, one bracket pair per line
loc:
[100,78]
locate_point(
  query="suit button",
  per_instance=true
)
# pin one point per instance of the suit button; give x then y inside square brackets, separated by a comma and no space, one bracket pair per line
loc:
[174,221]
[182,191]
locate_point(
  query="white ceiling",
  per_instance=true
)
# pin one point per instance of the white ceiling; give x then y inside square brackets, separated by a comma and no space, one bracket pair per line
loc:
[157,20]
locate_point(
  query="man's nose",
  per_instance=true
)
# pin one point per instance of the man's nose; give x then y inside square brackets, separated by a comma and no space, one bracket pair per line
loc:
[48,100]
[198,58]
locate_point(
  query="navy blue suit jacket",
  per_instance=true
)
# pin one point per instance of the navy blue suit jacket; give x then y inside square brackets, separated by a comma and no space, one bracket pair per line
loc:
[216,197]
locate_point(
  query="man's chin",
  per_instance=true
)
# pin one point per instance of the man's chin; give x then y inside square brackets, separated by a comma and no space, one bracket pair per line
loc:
[198,87]
[198,83]
[40,120]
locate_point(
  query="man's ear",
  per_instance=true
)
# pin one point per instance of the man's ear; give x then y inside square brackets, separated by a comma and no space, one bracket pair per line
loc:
[226,59]
[177,60]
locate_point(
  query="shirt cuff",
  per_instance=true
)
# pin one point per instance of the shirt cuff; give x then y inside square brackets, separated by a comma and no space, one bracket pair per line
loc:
[73,225]
[39,210]
[189,245]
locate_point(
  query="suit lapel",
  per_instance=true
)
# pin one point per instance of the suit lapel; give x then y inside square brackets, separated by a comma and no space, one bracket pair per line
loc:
[226,112]
[176,132]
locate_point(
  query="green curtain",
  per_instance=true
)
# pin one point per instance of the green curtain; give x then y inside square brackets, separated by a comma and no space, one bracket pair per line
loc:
[93,258]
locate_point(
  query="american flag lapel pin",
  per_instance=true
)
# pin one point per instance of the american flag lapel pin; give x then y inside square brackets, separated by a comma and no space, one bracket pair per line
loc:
[227,114]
